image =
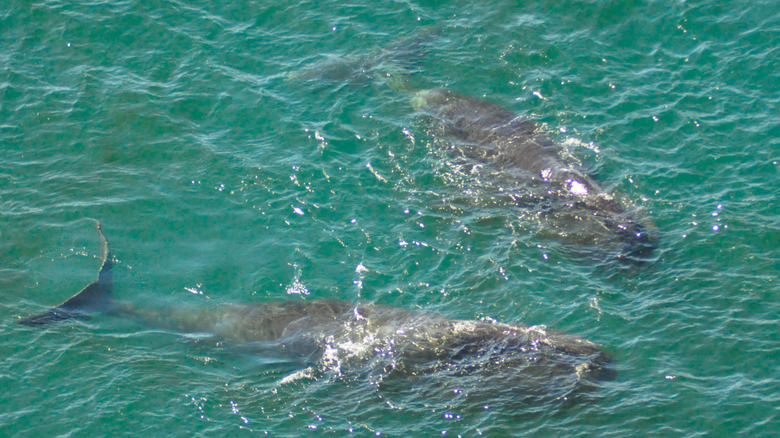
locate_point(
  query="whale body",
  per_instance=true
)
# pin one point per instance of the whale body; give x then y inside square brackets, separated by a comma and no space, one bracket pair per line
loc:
[362,338]
[566,198]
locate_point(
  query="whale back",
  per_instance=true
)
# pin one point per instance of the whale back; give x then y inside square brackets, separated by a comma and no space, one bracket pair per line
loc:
[565,199]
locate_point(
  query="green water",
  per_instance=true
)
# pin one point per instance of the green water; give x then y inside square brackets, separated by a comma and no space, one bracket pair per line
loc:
[254,151]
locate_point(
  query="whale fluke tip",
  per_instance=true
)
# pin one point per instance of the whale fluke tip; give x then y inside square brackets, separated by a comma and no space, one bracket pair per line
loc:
[96,297]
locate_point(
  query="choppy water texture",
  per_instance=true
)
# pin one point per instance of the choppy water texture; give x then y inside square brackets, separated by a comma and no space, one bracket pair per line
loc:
[249,152]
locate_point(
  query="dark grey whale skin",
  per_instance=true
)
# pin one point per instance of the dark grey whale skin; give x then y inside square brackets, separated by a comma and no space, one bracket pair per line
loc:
[96,297]
[365,336]
[489,133]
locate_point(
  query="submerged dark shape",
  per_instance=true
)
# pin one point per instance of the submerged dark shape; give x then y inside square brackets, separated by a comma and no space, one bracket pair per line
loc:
[580,209]
[385,342]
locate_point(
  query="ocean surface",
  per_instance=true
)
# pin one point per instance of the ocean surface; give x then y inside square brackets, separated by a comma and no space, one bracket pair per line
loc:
[257,151]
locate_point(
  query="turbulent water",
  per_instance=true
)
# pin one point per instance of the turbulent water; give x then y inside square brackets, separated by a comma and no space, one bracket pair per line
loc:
[249,152]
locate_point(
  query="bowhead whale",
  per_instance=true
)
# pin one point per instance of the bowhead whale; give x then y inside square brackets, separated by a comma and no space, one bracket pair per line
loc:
[362,338]
[568,199]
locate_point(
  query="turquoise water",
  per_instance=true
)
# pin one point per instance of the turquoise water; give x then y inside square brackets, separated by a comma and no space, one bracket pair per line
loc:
[256,151]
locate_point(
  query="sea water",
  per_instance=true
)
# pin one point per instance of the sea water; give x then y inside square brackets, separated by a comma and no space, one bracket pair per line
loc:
[252,151]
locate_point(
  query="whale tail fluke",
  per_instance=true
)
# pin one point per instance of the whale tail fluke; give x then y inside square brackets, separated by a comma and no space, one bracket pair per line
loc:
[96,297]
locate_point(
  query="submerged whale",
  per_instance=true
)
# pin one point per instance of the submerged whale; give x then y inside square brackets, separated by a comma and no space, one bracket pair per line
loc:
[565,197]
[384,342]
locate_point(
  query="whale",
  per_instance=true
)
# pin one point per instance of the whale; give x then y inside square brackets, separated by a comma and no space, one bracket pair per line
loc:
[563,196]
[322,336]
